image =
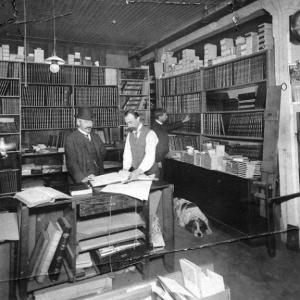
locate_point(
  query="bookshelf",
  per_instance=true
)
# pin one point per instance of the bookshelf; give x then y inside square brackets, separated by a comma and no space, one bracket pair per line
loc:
[235,103]
[226,103]
[50,101]
[10,128]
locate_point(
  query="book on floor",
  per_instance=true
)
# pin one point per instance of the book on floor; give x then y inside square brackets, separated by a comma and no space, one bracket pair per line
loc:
[54,232]
[57,261]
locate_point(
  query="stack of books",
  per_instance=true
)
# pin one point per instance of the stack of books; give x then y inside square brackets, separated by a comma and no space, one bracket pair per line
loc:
[49,251]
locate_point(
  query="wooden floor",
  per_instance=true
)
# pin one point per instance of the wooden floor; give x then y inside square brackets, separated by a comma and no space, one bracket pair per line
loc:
[248,271]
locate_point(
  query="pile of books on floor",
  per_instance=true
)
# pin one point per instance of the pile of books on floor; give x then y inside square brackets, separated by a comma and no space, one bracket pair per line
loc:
[195,282]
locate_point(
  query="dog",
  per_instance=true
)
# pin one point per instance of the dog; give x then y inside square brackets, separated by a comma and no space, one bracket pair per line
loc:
[191,217]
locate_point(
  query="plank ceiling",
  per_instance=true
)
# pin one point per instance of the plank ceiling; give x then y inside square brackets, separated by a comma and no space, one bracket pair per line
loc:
[133,24]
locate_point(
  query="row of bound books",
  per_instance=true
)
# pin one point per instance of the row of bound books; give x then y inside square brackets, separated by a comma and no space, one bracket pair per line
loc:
[40,73]
[9,105]
[9,69]
[243,71]
[9,181]
[9,125]
[105,117]
[47,118]
[45,95]
[96,96]
[50,250]
[182,84]
[218,76]
[9,87]
[235,124]
[189,103]
[179,142]
[97,76]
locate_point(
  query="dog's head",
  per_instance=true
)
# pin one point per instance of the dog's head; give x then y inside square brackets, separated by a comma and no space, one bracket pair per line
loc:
[198,227]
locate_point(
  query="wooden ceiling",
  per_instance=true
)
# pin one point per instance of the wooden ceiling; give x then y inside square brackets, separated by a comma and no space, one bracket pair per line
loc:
[131,24]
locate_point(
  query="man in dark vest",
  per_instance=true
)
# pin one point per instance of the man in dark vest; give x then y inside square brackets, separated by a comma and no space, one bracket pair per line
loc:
[84,149]
[139,158]
[162,129]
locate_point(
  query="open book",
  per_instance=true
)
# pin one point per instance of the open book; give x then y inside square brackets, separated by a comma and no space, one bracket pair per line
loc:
[40,194]
[116,177]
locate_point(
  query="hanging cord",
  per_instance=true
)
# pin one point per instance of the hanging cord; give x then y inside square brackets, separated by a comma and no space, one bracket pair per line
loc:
[54,29]
[110,205]
[164,2]
[135,230]
[25,42]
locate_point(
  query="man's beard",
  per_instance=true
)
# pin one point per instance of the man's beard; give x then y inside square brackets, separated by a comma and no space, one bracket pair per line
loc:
[131,129]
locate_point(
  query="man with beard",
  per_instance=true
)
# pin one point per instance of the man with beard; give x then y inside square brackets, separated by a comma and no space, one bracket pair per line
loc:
[84,149]
[139,158]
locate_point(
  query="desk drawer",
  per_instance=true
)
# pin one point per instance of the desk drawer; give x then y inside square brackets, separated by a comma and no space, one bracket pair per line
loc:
[105,203]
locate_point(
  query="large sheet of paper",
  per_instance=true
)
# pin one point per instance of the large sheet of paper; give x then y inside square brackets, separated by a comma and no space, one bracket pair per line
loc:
[116,177]
[136,189]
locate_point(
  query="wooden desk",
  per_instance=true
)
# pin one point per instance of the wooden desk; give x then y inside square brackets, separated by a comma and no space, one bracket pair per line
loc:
[34,220]
[100,203]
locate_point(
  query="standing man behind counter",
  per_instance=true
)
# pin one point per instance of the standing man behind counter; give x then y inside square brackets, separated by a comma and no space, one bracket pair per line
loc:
[84,149]
[139,158]
[162,128]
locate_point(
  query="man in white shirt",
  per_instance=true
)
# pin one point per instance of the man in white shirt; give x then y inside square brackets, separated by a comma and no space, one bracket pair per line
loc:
[139,156]
[140,147]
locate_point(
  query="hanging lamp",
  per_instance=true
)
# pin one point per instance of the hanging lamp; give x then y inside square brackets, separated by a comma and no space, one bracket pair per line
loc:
[54,60]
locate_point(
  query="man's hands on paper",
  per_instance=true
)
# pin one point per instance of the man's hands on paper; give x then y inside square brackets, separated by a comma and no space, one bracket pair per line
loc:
[88,178]
[130,176]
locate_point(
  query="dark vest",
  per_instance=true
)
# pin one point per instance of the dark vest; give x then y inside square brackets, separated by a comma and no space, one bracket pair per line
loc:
[138,146]
[92,166]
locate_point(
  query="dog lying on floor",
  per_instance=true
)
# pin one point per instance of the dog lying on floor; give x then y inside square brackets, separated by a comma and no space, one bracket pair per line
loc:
[191,217]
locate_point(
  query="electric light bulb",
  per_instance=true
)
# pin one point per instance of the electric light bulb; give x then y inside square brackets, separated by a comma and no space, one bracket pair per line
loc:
[54,67]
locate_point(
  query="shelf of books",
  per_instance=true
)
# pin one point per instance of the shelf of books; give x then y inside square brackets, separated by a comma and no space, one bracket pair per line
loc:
[226,103]
[10,128]
[180,95]
[235,104]
[47,245]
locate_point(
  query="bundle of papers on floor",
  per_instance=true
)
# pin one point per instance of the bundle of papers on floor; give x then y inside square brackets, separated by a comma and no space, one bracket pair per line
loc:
[197,283]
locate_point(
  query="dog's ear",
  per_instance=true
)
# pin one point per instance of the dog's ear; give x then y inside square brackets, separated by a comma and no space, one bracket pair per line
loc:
[193,227]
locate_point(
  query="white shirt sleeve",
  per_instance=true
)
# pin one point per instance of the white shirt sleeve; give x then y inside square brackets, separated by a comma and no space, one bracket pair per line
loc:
[149,158]
[127,157]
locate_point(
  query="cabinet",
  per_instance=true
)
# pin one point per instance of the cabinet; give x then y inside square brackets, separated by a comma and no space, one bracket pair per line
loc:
[10,127]
[238,109]
[95,221]
[235,103]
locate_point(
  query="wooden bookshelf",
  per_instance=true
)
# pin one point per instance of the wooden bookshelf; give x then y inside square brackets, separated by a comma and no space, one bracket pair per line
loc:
[10,127]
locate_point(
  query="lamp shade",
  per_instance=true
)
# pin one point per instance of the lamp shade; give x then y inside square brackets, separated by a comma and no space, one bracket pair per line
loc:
[54,60]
